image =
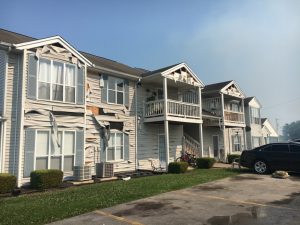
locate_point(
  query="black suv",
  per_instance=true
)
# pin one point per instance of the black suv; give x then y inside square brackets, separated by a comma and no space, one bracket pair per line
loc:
[271,157]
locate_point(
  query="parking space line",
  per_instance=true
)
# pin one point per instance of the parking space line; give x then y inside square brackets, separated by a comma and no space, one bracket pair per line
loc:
[122,219]
[247,202]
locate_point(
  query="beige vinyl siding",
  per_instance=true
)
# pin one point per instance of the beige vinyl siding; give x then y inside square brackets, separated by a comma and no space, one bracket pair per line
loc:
[72,115]
[148,143]
[208,133]
[93,140]
[2,79]
[13,113]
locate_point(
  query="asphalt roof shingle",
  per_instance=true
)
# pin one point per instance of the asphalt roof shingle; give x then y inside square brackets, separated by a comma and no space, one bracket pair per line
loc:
[15,38]
[215,86]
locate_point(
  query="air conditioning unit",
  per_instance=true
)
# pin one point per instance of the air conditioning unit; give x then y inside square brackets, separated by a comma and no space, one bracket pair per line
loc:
[104,169]
[82,173]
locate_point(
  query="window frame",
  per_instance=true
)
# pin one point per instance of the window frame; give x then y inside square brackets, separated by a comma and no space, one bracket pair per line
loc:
[239,139]
[116,91]
[49,155]
[52,83]
[254,119]
[114,132]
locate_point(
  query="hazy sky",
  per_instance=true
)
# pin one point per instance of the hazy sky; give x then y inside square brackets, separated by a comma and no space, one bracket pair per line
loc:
[256,43]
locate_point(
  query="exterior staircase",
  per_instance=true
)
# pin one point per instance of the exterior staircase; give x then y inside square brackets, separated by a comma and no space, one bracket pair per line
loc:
[191,145]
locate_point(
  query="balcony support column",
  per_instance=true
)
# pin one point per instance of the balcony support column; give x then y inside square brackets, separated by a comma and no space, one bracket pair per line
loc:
[166,122]
[244,129]
[223,126]
[200,125]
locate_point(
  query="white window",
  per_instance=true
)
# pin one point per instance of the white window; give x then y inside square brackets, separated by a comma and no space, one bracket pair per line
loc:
[236,143]
[255,115]
[234,107]
[115,91]
[56,81]
[115,150]
[50,155]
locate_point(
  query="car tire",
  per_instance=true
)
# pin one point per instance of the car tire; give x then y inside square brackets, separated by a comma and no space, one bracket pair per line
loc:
[260,167]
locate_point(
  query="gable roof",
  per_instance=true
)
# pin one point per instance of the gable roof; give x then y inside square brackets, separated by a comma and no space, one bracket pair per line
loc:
[263,120]
[49,41]
[16,38]
[249,99]
[222,87]
[169,69]
[216,86]
[149,73]
[13,38]
[110,64]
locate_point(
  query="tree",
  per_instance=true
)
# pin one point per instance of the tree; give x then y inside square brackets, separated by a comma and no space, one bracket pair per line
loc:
[292,130]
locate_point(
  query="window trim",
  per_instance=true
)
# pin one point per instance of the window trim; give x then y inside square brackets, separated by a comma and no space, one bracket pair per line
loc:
[239,143]
[114,132]
[51,83]
[62,155]
[115,90]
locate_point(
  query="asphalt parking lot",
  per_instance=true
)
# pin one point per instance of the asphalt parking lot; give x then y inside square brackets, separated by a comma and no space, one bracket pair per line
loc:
[246,199]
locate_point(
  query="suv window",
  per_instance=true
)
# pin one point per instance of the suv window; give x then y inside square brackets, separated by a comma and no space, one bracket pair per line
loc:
[280,148]
[268,148]
[295,148]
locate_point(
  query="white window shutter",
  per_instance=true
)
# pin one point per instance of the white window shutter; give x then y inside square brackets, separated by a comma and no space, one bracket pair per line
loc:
[29,149]
[32,77]
[79,149]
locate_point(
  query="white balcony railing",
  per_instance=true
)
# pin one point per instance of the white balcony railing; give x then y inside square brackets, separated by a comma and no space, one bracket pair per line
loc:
[235,117]
[175,108]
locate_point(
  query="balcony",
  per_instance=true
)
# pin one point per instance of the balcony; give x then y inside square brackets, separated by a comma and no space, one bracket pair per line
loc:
[234,117]
[177,111]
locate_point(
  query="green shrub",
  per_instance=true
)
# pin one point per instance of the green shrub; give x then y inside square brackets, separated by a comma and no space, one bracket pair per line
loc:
[205,163]
[231,157]
[178,167]
[43,179]
[7,182]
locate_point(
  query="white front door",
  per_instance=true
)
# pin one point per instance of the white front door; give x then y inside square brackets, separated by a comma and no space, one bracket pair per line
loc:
[161,149]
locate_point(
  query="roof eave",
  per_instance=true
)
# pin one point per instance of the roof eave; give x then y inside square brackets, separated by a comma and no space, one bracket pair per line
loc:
[113,72]
[52,40]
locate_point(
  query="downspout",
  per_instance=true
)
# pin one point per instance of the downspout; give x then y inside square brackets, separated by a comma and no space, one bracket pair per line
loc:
[21,146]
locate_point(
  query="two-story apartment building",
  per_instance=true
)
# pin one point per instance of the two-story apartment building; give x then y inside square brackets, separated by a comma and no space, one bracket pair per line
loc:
[253,122]
[43,107]
[223,119]
[62,108]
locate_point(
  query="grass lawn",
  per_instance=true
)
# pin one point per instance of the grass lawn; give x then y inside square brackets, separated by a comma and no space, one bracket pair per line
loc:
[46,207]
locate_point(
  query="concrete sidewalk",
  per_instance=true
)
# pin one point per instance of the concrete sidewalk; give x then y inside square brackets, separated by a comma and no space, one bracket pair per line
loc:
[247,199]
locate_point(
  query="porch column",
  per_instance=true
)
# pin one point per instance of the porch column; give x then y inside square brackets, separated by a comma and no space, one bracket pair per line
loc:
[244,129]
[245,141]
[166,122]
[201,122]
[223,124]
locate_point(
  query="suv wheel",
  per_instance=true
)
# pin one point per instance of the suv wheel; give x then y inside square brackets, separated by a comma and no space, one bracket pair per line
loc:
[260,167]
